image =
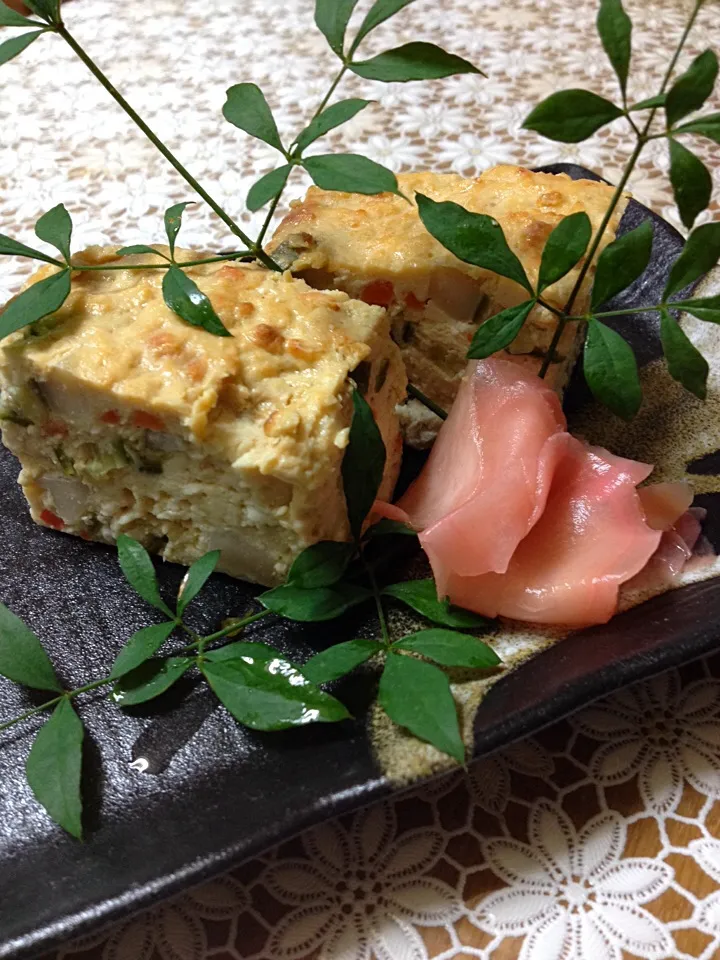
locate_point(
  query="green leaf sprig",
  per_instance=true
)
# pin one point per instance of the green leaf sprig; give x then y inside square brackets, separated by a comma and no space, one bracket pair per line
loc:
[320,586]
[609,364]
[255,682]
[246,107]
[568,116]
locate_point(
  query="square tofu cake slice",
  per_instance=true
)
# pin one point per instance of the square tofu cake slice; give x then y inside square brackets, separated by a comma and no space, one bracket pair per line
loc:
[125,419]
[376,249]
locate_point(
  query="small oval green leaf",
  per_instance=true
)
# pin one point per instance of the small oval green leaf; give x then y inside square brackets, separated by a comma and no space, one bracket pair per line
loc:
[691,90]
[22,656]
[704,308]
[149,680]
[571,116]
[336,661]
[691,183]
[386,528]
[15,45]
[363,464]
[10,18]
[685,362]
[13,248]
[708,126]
[564,247]
[700,254]
[450,649]
[173,222]
[421,596]
[138,248]
[320,565]
[331,18]
[50,9]
[54,767]
[611,370]
[615,29]
[267,187]
[621,263]
[417,696]
[330,118]
[38,301]
[412,61]
[311,606]
[243,648]
[499,331]
[380,11]
[55,227]
[140,647]
[651,103]
[473,237]
[183,296]
[270,694]
[247,108]
[196,578]
[139,571]
[350,173]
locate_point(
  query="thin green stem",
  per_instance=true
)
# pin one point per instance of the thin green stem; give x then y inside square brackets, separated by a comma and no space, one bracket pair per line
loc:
[642,139]
[430,404]
[378,602]
[632,123]
[68,695]
[619,190]
[160,266]
[333,87]
[323,103]
[30,713]
[671,305]
[190,632]
[550,307]
[562,321]
[271,212]
[676,56]
[89,686]
[669,72]
[622,313]
[256,250]
[202,642]
[292,155]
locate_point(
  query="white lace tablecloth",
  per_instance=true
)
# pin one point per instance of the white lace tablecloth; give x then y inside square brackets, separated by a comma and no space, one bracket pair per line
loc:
[600,838]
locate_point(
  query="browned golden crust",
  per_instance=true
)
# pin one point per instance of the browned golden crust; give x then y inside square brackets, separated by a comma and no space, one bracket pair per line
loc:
[377,249]
[126,419]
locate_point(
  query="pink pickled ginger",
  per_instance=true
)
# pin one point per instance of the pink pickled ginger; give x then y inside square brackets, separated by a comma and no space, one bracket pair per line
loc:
[591,537]
[520,519]
[488,476]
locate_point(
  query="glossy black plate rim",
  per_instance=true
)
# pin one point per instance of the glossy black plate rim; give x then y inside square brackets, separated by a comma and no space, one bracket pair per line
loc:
[666,631]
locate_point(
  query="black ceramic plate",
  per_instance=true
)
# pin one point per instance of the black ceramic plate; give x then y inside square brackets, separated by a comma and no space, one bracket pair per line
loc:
[215,793]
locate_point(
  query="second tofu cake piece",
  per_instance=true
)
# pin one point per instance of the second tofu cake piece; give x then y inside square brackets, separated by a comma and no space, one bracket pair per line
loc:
[127,420]
[376,249]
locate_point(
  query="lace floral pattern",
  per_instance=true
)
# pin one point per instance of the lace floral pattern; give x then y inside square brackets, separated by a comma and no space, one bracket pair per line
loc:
[362,892]
[571,894]
[564,847]
[662,734]
[560,865]
[174,61]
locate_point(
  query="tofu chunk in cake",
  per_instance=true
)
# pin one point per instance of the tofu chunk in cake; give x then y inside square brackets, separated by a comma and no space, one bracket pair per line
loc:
[376,249]
[125,419]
